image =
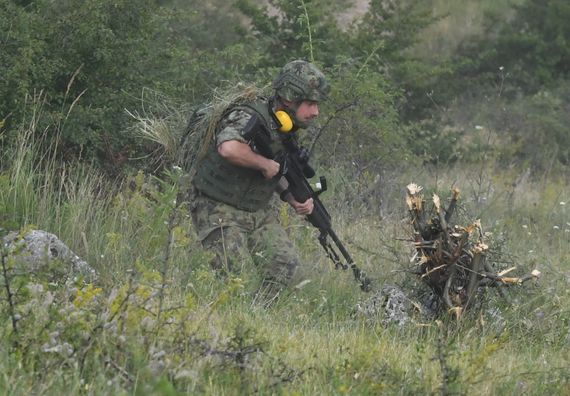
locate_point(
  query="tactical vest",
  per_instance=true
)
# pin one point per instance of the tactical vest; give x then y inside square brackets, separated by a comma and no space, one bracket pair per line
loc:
[243,188]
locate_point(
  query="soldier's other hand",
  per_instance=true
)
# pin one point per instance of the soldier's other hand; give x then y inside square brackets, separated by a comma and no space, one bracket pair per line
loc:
[271,169]
[303,208]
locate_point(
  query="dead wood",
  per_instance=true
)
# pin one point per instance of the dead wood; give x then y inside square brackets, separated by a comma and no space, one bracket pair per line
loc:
[452,259]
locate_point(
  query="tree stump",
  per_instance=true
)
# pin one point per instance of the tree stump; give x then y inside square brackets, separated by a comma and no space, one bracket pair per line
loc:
[452,259]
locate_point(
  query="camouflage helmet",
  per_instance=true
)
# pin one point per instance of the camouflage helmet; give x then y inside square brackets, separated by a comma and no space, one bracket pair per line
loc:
[300,80]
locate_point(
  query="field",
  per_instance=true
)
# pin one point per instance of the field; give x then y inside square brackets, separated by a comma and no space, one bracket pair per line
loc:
[410,104]
[158,320]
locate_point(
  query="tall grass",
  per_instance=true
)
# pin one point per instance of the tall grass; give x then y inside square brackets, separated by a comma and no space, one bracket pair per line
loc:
[158,321]
[70,200]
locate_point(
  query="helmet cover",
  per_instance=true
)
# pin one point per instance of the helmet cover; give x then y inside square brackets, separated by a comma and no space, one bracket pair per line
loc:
[300,80]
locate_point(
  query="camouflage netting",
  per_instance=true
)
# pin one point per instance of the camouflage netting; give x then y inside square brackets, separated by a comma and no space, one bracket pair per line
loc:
[179,135]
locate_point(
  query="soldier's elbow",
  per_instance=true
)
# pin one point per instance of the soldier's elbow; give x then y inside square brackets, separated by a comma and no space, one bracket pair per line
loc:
[225,149]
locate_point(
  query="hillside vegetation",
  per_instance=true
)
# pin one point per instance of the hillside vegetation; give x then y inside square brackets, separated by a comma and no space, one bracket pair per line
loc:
[463,94]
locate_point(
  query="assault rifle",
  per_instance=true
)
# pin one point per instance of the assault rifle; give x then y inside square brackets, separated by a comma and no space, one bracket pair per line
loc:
[294,162]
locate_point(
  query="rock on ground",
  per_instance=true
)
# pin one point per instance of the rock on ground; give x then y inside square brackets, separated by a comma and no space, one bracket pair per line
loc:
[389,305]
[39,251]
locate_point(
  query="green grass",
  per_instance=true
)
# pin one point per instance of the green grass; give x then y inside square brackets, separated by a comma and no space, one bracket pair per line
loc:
[156,326]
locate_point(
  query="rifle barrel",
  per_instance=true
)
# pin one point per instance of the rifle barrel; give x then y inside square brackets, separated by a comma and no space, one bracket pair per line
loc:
[341,247]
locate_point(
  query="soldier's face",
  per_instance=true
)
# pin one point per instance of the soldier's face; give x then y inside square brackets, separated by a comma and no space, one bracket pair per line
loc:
[307,111]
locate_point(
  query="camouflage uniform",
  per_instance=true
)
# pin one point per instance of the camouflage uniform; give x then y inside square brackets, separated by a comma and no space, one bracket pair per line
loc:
[236,235]
[245,226]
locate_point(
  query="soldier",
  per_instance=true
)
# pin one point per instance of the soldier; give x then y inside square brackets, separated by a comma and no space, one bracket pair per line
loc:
[234,185]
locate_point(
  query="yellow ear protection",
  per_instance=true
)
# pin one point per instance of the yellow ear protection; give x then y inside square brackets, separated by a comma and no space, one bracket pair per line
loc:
[285,121]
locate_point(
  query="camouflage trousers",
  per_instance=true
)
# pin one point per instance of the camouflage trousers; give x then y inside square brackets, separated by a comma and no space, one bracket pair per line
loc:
[239,238]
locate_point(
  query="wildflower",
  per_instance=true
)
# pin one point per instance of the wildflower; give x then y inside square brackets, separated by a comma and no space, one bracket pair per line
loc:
[176,168]
[562,203]
[556,227]
[525,226]
[501,68]
[478,127]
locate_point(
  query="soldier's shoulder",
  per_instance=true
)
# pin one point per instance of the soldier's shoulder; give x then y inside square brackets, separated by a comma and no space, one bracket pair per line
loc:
[251,106]
[234,120]
[238,115]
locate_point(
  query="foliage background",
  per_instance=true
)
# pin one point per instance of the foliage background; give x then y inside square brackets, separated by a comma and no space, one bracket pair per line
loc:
[405,72]
[441,93]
